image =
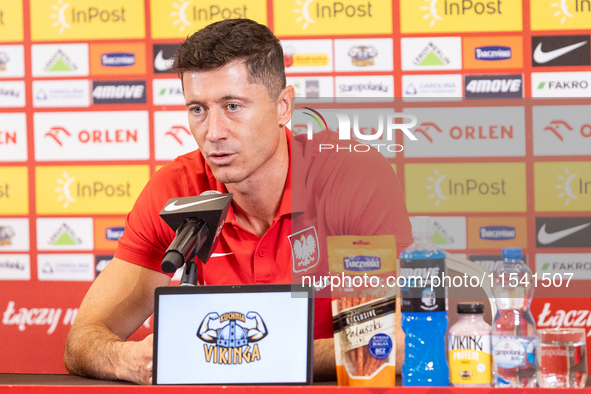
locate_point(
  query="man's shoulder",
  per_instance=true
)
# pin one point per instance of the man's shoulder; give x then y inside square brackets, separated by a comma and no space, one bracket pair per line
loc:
[327,152]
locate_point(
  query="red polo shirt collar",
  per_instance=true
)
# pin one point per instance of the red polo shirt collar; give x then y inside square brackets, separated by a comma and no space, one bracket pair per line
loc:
[293,194]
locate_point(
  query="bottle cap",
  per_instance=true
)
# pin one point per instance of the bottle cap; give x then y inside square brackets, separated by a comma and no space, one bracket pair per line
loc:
[512,253]
[470,307]
[422,227]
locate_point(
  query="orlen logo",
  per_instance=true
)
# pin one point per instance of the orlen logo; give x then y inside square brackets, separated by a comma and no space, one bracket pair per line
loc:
[558,127]
[362,263]
[476,132]
[345,130]
[59,134]
[176,132]
[117,59]
[497,233]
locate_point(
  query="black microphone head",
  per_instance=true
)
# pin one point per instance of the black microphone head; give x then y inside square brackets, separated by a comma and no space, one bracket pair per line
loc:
[211,207]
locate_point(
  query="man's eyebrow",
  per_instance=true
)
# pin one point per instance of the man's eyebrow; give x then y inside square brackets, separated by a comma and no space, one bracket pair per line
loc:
[225,98]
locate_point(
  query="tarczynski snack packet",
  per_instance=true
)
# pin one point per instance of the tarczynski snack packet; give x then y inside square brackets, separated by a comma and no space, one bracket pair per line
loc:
[364,309]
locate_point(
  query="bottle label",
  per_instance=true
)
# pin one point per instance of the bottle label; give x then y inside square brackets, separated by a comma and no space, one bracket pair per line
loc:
[469,359]
[509,353]
[419,292]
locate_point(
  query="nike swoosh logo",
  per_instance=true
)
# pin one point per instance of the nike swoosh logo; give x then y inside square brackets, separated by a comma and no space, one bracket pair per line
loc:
[173,207]
[160,63]
[544,238]
[220,254]
[542,57]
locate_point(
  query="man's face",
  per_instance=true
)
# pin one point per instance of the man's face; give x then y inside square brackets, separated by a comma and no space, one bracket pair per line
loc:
[234,122]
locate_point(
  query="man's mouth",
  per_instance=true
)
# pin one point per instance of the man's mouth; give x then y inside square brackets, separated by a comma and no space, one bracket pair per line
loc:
[222,158]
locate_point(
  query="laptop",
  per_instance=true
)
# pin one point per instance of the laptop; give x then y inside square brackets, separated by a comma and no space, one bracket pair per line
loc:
[233,335]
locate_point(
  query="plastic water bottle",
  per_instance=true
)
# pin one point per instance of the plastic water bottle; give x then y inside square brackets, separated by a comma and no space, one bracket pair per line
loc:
[424,310]
[514,330]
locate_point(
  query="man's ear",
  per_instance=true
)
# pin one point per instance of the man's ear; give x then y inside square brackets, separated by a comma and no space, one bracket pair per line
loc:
[285,105]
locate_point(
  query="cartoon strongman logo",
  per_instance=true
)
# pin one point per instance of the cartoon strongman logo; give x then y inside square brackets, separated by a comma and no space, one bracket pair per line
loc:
[231,339]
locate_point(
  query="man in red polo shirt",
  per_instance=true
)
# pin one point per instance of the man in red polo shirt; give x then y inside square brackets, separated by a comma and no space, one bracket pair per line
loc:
[238,106]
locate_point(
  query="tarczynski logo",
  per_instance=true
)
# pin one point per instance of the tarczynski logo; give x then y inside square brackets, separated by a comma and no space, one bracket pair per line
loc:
[117,59]
[114,233]
[345,130]
[231,336]
[492,53]
[305,252]
[497,233]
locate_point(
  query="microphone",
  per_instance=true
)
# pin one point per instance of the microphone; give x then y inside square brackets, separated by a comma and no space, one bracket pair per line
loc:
[197,222]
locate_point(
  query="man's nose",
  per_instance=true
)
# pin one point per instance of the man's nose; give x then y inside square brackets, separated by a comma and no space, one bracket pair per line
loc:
[216,126]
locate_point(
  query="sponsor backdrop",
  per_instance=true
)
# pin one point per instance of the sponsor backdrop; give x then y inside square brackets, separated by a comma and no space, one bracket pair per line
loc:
[88,111]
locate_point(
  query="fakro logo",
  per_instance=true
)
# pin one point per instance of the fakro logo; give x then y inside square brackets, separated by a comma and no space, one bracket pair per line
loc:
[558,126]
[345,130]
[468,132]
[106,136]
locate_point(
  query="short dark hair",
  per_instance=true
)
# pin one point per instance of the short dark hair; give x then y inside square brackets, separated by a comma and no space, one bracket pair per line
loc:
[235,39]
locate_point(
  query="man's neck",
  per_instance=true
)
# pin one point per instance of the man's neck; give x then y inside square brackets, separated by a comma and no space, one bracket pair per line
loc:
[257,199]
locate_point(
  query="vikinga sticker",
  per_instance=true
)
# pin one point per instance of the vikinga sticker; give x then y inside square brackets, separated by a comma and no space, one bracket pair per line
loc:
[231,336]
[305,253]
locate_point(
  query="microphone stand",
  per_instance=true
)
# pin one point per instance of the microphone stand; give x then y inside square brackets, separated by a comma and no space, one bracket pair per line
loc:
[189,277]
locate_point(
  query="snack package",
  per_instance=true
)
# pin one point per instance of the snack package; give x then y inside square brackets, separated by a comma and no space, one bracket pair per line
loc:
[364,316]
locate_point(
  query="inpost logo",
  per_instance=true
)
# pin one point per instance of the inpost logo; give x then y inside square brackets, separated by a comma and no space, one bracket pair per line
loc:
[11,20]
[428,16]
[560,15]
[480,187]
[89,189]
[321,17]
[86,19]
[14,191]
[384,132]
[562,186]
[179,18]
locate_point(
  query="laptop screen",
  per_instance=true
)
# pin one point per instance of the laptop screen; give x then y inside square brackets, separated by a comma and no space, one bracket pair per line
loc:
[259,334]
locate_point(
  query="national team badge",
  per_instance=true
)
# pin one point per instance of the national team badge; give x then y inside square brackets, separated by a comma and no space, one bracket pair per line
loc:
[305,252]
